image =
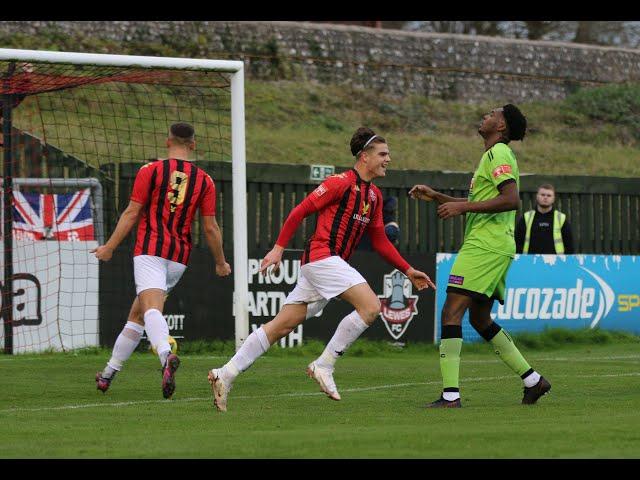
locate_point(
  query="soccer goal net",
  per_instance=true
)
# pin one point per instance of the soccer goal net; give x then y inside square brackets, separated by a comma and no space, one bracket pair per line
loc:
[71,123]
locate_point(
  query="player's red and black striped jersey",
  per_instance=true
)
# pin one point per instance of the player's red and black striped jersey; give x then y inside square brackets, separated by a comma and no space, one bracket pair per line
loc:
[171,191]
[346,206]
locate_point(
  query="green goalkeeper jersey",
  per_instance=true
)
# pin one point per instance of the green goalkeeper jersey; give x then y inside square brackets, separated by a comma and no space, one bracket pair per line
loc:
[492,231]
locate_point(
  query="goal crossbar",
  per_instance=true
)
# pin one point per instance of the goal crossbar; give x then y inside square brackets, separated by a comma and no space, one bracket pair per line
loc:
[133,61]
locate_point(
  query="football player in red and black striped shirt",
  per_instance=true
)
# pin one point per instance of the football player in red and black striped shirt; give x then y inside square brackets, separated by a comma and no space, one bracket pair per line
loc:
[347,205]
[166,195]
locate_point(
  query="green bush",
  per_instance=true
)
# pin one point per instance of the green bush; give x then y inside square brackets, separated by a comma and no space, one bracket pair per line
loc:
[618,104]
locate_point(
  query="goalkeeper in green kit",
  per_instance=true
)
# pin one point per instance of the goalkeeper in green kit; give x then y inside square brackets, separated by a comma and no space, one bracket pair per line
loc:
[479,272]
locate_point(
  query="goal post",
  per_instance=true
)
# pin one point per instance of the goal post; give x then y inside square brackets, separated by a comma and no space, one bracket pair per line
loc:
[64,71]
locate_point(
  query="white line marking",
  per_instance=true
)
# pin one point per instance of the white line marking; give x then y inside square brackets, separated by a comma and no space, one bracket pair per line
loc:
[561,359]
[46,357]
[545,359]
[292,394]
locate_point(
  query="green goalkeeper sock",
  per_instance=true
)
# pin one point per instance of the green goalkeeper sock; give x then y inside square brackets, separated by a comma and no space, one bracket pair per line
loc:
[505,348]
[450,347]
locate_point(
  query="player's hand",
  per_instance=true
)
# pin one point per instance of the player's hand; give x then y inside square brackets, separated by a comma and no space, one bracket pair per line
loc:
[272,258]
[422,192]
[223,270]
[419,279]
[452,209]
[103,253]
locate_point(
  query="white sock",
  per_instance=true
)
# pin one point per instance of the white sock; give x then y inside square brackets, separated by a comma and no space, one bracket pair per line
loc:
[348,331]
[157,333]
[531,379]
[450,396]
[125,345]
[253,347]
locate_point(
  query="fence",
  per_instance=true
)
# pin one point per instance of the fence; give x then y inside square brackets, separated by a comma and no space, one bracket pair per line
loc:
[603,211]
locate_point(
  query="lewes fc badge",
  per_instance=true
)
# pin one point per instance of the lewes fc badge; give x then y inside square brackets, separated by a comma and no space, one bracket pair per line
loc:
[398,304]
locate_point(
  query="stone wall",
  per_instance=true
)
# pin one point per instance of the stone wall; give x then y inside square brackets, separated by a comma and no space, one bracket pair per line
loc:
[448,66]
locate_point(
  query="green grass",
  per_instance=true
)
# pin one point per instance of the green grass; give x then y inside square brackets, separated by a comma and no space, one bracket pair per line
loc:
[430,134]
[589,133]
[49,407]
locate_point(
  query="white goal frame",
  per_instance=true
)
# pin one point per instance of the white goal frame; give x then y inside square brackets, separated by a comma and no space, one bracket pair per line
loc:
[238,151]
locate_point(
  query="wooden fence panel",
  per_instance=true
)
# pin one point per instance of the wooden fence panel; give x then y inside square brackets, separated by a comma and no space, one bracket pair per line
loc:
[625,219]
[227,213]
[586,222]
[301,234]
[265,210]
[253,235]
[597,222]
[616,243]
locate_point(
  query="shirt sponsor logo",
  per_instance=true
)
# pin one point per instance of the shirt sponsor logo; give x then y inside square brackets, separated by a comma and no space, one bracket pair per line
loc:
[372,196]
[456,280]
[501,170]
[360,218]
[321,190]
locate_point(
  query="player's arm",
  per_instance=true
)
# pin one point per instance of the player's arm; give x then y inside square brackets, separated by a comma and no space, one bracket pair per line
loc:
[424,192]
[322,196]
[213,237]
[388,252]
[501,171]
[129,218]
[291,224]
[127,221]
[508,199]
[381,244]
[212,234]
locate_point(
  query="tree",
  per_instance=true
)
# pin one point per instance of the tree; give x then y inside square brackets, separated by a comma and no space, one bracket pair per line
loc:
[538,29]
[585,33]
[622,34]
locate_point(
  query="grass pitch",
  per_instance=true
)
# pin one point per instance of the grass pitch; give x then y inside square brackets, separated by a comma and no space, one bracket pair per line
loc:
[50,408]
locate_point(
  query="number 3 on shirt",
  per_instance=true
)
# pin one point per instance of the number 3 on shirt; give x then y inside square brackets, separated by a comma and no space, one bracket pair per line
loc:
[178,187]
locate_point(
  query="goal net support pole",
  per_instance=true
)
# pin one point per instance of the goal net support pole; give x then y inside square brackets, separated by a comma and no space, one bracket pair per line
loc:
[7,228]
[240,252]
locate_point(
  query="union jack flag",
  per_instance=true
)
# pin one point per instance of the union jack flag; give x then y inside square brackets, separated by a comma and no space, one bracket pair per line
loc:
[65,216]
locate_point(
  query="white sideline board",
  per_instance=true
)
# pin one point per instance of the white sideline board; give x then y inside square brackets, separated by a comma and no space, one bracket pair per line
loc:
[67,315]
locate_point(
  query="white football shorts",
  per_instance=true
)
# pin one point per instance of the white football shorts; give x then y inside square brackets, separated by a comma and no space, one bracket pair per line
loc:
[322,280]
[156,272]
